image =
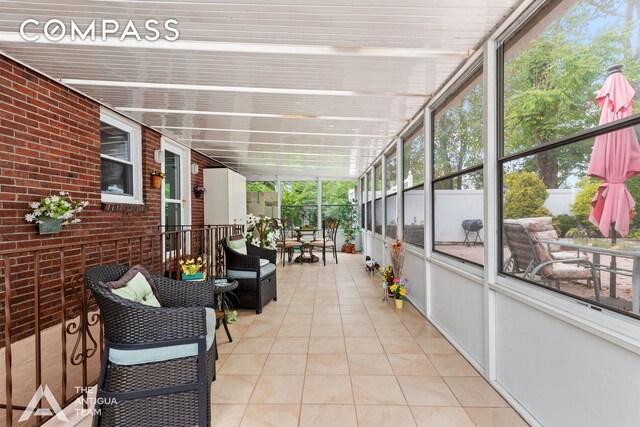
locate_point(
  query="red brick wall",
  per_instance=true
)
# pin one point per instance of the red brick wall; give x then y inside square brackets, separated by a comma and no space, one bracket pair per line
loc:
[50,142]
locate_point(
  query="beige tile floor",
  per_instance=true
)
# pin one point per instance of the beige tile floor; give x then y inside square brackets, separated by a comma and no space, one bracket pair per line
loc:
[330,352]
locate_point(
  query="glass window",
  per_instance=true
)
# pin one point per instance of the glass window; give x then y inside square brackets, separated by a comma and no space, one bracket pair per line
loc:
[458,131]
[458,207]
[391,178]
[413,195]
[413,158]
[300,203]
[120,159]
[363,201]
[370,201]
[335,195]
[377,205]
[556,79]
[458,152]
[262,198]
[553,72]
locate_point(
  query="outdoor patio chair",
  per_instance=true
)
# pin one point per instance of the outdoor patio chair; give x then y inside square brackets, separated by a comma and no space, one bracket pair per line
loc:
[286,245]
[158,362]
[530,258]
[542,229]
[329,232]
[255,270]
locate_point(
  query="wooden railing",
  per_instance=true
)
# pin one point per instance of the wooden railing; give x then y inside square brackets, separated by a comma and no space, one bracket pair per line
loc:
[50,327]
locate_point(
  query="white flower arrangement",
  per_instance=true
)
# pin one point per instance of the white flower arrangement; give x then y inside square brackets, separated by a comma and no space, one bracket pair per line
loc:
[262,231]
[59,206]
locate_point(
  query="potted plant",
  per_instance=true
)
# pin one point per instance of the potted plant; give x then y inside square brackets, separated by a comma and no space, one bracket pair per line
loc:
[262,231]
[191,269]
[387,277]
[52,212]
[156,179]
[399,289]
[349,216]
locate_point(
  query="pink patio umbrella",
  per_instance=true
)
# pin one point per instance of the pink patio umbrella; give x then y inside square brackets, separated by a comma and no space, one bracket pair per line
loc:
[615,158]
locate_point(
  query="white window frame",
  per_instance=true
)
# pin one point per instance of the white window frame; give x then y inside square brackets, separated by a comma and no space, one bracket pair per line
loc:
[135,145]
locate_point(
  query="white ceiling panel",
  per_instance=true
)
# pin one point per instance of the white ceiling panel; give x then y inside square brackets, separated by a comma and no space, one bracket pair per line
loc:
[293,87]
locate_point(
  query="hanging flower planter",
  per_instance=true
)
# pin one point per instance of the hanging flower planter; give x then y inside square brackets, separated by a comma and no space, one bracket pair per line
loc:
[156,179]
[49,225]
[54,211]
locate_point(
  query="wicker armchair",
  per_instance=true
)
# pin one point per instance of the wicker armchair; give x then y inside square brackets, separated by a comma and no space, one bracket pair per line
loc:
[256,285]
[158,362]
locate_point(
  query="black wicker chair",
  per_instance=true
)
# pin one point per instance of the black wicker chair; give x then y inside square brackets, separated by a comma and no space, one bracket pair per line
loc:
[173,392]
[255,287]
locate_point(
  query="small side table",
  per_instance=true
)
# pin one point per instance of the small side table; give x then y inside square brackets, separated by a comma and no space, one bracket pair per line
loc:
[222,285]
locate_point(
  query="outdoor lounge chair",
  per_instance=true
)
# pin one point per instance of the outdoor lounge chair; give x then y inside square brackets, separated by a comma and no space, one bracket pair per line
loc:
[158,362]
[329,232]
[530,259]
[542,229]
[256,283]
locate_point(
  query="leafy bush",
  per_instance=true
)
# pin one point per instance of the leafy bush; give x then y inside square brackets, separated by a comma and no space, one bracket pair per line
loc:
[525,196]
[581,207]
[563,223]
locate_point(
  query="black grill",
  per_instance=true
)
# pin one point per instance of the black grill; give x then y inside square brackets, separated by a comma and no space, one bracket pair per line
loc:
[474,225]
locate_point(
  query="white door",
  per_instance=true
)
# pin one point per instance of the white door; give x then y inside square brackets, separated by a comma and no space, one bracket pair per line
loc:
[176,200]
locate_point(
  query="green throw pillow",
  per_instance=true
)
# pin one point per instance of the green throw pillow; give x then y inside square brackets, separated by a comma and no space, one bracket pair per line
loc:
[138,290]
[238,244]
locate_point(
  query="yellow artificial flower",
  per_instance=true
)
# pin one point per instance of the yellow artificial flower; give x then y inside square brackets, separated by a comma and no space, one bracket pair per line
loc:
[403,291]
[393,288]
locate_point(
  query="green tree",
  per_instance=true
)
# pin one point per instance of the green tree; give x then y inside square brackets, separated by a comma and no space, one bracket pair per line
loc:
[525,196]
[550,85]
[261,187]
[414,158]
[458,135]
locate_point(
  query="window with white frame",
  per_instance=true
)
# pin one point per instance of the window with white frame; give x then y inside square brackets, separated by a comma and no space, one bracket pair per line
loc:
[377,204]
[391,183]
[413,193]
[458,151]
[563,120]
[370,200]
[120,159]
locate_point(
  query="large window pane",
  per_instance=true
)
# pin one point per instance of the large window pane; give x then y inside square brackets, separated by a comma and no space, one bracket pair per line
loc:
[362,202]
[378,216]
[378,177]
[392,168]
[558,218]
[299,202]
[413,158]
[369,215]
[459,217]
[117,178]
[172,180]
[335,195]
[413,227]
[114,142]
[458,132]
[553,72]
[262,198]
[392,216]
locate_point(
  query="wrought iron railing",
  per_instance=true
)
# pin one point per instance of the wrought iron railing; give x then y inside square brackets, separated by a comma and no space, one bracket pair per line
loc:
[50,327]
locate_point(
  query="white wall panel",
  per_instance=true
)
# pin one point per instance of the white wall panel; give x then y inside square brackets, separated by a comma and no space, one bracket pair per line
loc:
[457,306]
[415,271]
[563,375]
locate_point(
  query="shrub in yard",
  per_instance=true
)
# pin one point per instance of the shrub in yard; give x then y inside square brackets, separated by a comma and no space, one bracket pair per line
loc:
[563,223]
[581,207]
[525,196]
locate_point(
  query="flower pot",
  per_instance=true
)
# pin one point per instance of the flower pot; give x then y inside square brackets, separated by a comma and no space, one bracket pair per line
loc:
[49,225]
[198,276]
[156,181]
[399,303]
[348,248]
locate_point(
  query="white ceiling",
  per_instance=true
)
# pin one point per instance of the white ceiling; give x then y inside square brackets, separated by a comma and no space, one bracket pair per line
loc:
[289,87]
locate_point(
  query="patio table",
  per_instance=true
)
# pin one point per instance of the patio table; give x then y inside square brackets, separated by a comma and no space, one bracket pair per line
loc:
[623,248]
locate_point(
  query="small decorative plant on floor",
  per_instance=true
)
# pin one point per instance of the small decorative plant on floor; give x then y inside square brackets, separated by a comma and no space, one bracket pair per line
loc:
[396,256]
[54,211]
[349,216]
[191,268]
[262,231]
[399,289]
